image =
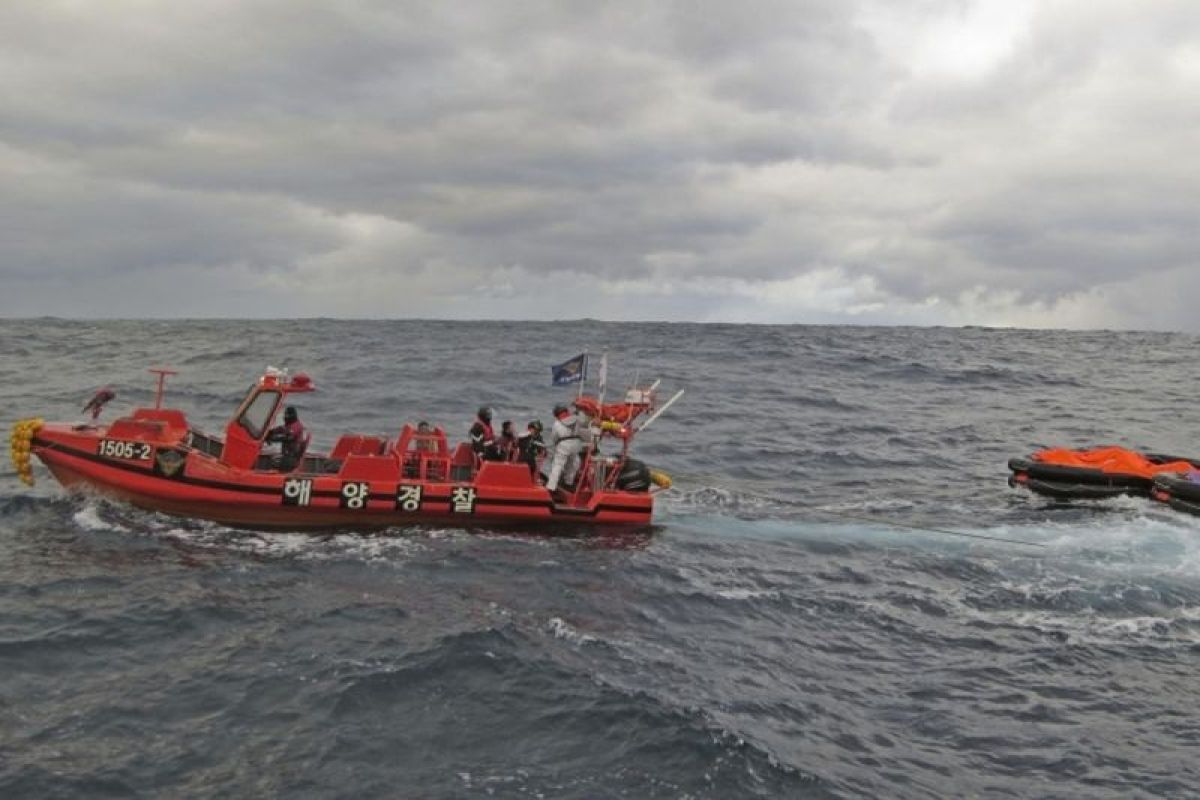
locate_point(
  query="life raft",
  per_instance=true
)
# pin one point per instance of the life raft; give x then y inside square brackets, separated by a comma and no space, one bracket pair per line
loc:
[1180,490]
[618,413]
[1096,473]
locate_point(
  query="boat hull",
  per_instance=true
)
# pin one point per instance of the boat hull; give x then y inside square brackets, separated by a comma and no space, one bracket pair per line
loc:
[202,489]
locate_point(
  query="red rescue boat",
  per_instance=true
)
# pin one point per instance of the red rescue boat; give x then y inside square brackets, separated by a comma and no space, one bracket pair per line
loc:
[155,459]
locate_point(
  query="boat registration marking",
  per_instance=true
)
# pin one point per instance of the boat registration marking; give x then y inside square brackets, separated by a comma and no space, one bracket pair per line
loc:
[117,448]
[462,500]
[408,497]
[297,492]
[355,494]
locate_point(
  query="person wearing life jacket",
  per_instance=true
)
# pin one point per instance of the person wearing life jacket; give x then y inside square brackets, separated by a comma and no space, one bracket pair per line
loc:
[530,447]
[292,438]
[483,439]
[566,443]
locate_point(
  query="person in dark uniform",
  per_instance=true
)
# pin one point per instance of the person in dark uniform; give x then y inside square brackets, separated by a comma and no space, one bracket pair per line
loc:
[292,438]
[483,439]
[530,447]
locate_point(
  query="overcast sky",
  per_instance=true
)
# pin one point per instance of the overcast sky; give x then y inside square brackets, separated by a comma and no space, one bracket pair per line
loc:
[1008,162]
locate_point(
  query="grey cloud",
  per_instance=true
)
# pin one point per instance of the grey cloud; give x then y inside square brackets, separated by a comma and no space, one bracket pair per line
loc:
[708,155]
[73,225]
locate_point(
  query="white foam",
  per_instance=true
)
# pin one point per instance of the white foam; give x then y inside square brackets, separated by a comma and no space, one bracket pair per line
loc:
[712,498]
[562,630]
[873,504]
[304,546]
[89,519]
[1095,579]
[98,515]
[1088,627]
[1140,543]
[737,593]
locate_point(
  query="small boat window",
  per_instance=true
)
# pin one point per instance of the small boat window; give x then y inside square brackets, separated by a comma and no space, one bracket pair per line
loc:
[256,416]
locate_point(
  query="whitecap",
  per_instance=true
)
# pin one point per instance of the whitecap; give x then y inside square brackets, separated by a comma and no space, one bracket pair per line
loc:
[562,630]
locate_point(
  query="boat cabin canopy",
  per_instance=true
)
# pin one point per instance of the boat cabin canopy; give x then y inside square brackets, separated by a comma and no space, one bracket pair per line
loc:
[256,414]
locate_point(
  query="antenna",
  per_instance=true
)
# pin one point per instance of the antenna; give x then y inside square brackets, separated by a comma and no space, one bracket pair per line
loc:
[659,413]
[162,382]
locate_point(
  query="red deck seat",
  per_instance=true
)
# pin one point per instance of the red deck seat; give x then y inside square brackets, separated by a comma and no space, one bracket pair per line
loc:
[356,444]
[462,463]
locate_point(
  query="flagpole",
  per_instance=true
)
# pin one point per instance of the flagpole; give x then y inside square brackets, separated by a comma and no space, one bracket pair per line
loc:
[603,376]
[583,382]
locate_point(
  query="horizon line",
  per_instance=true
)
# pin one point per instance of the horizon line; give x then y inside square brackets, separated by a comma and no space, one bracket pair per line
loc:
[486,320]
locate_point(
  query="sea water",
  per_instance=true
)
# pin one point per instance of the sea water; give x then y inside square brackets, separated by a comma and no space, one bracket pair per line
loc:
[791,626]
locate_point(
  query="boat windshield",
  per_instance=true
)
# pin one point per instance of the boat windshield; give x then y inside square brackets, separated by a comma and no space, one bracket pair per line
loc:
[258,413]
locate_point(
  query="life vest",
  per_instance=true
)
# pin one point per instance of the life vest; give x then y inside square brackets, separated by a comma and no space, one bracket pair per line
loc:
[530,446]
[293,439]
[565,429]
[482,436]
[297,439]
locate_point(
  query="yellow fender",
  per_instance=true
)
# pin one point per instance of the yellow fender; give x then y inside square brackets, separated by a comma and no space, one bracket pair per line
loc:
[660,479]
[20,447]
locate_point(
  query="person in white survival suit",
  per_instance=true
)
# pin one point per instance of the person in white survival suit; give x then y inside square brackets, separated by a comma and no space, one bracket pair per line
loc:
[566,443]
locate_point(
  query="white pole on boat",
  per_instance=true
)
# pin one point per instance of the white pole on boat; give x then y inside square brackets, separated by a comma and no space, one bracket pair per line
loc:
[658,413]
[603,376]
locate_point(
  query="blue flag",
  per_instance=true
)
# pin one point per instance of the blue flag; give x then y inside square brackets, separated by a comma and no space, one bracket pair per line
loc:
[569,372]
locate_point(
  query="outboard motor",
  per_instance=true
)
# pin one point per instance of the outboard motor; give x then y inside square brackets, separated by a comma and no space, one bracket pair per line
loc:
[634,476]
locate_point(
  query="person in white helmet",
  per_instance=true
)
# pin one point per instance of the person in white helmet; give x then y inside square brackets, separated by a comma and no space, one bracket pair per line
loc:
[566,444]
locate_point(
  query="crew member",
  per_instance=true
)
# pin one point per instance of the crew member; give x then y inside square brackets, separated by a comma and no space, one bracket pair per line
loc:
[507,443]
[483,439]
[566,445]
[292,438]
[530,447]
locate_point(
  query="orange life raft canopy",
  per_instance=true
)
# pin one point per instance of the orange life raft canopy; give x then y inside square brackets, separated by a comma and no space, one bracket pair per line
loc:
[637,402]
[1098,472]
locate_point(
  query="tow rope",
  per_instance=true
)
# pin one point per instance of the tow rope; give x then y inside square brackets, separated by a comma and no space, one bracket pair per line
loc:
[875,520]
[926,528]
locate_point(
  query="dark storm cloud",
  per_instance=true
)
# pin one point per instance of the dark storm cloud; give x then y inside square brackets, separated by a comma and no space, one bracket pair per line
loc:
[931,161]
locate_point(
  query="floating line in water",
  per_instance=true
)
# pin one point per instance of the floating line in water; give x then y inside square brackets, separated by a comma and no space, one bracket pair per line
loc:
[875,520]
[893,523]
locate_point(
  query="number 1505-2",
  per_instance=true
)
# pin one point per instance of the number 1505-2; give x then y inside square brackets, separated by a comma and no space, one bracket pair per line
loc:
[115,448]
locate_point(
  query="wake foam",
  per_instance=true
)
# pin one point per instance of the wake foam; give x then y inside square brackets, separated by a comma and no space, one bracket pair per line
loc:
[392,545]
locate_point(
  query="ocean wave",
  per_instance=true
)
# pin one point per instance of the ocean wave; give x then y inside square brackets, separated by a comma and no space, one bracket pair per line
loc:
[562,630]
[218,356]
[810,615]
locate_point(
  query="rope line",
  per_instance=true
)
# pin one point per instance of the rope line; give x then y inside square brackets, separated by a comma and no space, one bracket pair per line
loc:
[876,520]
[947,531]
